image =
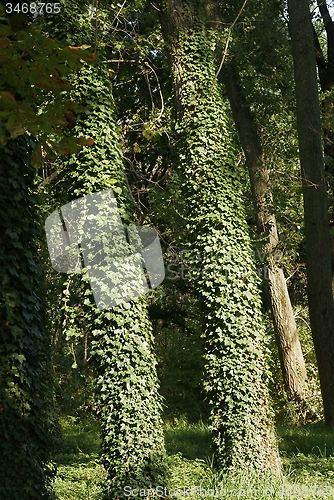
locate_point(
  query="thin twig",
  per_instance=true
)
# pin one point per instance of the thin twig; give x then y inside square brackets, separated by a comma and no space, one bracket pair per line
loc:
[120,61]
[159,88]
[118,13]
[48,179]
[228,40]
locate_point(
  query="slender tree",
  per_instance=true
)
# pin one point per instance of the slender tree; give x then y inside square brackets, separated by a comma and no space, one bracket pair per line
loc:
[318,252]
[226,279]
[326,78]
[289,348]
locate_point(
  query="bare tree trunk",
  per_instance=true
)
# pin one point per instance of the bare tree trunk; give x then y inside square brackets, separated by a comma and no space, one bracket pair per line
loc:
[325,65]
[318,251]
[290,352]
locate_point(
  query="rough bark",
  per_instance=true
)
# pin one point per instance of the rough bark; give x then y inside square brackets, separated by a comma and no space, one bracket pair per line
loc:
[290,352]
[318,251]
[289,348]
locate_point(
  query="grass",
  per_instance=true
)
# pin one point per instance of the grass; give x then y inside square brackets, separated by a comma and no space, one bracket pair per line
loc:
[307,453]
[79,470]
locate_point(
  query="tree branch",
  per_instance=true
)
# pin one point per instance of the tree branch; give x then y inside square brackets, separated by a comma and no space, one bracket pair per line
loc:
[48,179]
[326,17]
[329,27]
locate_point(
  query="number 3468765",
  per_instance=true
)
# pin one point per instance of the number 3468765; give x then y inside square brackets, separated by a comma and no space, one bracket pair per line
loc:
[33,8]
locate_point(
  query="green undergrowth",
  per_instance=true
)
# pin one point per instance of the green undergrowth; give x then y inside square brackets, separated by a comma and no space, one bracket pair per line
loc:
[79,469]
[307,453]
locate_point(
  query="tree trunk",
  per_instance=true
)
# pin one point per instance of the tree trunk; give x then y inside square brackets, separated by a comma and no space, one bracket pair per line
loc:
[318,251]
[27,417]
[290,353]
[326,78]
[225,276]
[132,441]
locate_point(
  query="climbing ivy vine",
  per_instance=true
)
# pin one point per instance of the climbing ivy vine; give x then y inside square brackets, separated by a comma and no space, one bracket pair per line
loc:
[27,419]
[129,405]
[220,250]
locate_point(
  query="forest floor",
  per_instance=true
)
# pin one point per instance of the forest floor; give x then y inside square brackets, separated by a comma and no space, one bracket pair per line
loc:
[307,453]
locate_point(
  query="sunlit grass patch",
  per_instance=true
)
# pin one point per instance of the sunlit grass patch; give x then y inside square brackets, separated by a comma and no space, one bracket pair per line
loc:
[79,481]
[193,441]
[307,453]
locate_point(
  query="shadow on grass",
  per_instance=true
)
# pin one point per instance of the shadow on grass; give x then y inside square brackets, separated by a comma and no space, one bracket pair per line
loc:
[80,442]
[315,440]
[193,441]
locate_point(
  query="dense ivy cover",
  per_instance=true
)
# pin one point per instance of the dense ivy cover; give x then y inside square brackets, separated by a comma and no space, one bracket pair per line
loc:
[129,404]
[224,271]
[132,439]
[27,421]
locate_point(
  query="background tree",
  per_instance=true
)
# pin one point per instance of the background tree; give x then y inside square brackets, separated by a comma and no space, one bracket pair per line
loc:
[289,348]
[318,253]
[324,56]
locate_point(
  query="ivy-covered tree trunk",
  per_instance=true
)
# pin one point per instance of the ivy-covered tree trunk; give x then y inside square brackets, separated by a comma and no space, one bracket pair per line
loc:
[133,451]
[289,348]
[318,251]
[27,418]
[226,281]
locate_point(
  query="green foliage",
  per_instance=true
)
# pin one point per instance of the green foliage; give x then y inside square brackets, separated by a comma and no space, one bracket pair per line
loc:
[132,445]
[198,207]
[27,419]
[129,406]
[143,97]
[260,45]
[179,347]
[189,440]
[79,470]
[79,29]
[180,370]
[72,327]
[223,269]
[32,84]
